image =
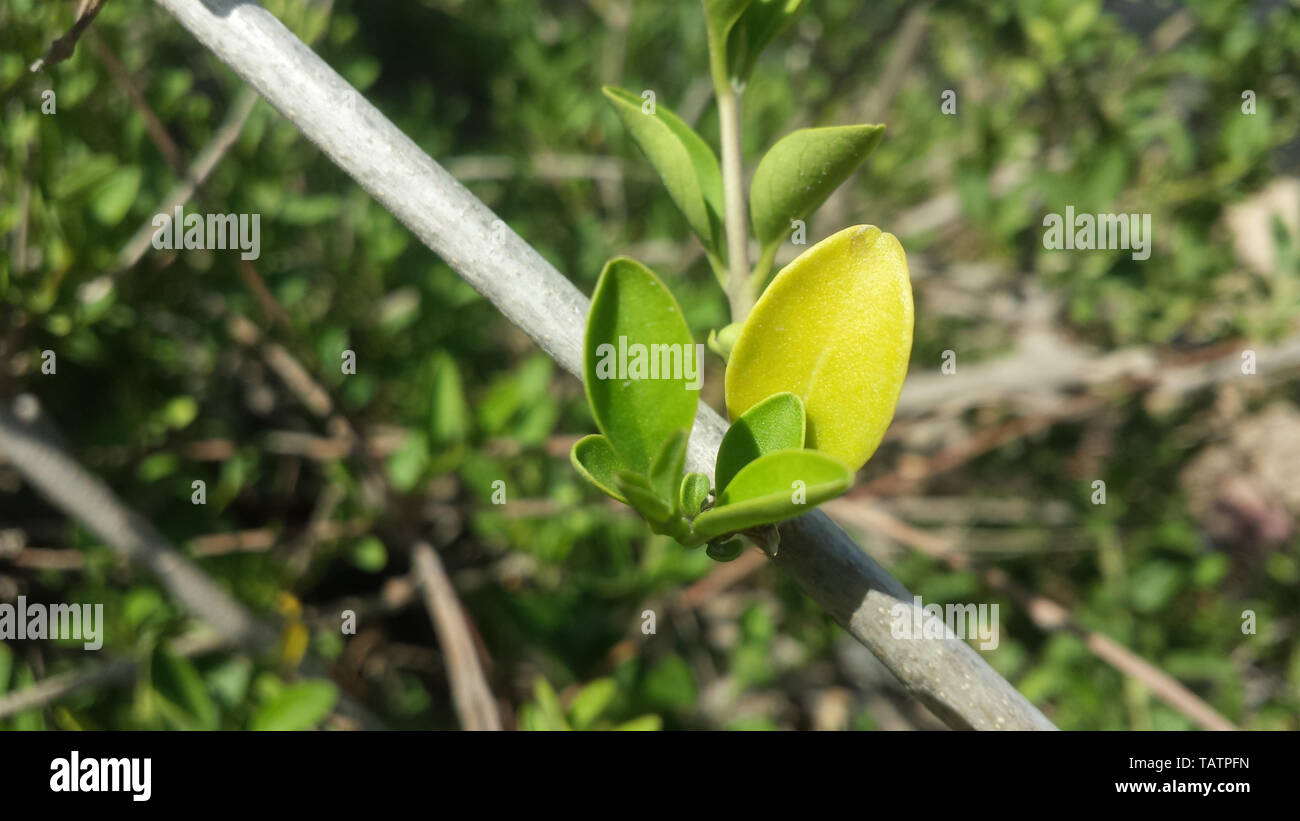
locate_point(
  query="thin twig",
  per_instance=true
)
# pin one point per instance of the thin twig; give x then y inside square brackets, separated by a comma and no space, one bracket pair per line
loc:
[26,441]
[62,48]
[86,498]
[207,160]
[115,671]
[469,688]
[157,131]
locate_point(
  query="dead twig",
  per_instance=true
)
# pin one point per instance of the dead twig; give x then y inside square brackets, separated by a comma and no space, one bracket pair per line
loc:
[469,688]
[62,48]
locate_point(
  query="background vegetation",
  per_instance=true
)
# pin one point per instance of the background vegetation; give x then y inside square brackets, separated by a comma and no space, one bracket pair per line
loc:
[1114,107]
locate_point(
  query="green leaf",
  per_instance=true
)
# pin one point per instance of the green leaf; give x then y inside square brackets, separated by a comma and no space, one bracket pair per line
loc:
[722,340]
[776,423]
[550,715]
[762,21]
[666,469]
[184,698]
[594,457]
[6,667]
[671,684]
[721,15]
[113,197]
[370,555]
[633,317]
[693,493]
[646,723]
[801,171]
[683,161]
[310,210]
[642,496]
[33,719]
[300,706]
[835,329]
[591,701]
[407,464]
[765,491]
[449,413]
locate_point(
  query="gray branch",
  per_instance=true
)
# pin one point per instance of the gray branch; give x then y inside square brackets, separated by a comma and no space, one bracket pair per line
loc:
[945,674]
[27,441]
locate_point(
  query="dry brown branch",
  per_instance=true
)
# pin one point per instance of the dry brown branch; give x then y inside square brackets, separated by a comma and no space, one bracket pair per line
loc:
[63,48]
[469,688]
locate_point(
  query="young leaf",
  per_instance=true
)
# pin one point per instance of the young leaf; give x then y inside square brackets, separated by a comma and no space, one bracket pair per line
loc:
[299,706]
[591,701]
[449,413]
[683,161]
[632,312]
[722,340]
[642,496]
[776,423]
[772,488]
[719,17]
[762,21]
[835,329]
[693,494]
[801,171]
[594,457]
[182,696]
[666,469]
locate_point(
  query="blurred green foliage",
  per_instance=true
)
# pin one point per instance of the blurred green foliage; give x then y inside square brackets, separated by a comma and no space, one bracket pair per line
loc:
[1106,107]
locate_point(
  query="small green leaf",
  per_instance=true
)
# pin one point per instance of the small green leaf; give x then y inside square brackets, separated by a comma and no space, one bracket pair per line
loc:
[835,329]
[722,340]
[550,713]
[666,469]
[647,723]
[776,423]
[801,171]
[112,199]
[772,488]
[591,701]
[299,706]
[594,457]
[33,719]
[636,344]
[725,551]
[684,161]
[183,697]
[693,494]
[642,496]
[6,667]
[762,21]
[370,555]
[449,413]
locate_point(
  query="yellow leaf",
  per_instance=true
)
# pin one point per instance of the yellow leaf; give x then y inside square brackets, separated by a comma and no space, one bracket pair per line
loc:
[835,329]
